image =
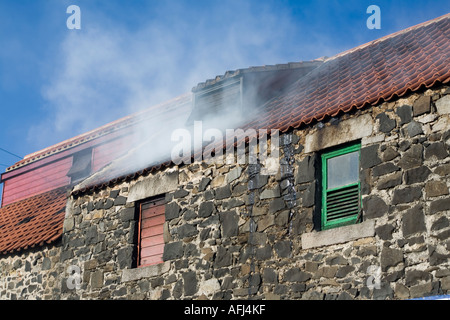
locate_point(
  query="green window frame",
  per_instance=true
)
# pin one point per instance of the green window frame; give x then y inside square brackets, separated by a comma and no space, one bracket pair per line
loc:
[341,204]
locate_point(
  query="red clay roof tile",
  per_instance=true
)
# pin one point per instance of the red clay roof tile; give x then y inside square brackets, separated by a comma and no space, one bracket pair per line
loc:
[33,221]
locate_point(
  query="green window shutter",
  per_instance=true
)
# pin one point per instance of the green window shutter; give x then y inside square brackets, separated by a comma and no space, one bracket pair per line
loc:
[341,191]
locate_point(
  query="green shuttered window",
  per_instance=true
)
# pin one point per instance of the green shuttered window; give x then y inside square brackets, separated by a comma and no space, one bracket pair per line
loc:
[341,195]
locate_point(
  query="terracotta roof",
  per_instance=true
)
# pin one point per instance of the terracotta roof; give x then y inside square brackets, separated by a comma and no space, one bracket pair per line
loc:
[390,67]
[382,70]
[33,221]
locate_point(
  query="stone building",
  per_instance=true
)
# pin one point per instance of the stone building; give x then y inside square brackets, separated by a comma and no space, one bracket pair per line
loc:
[355,205]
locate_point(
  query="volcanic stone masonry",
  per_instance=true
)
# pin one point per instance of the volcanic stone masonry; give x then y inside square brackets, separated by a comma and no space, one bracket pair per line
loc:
[232,232]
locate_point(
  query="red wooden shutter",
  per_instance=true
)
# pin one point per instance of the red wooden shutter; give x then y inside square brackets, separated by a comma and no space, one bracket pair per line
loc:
[151,242]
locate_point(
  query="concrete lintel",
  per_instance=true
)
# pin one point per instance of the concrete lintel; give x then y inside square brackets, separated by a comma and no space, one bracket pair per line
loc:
[338,235]
[348,130]
[153,185]
[145,272]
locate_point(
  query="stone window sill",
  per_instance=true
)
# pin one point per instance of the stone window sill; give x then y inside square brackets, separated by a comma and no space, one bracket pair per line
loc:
[338,235]
[145,272]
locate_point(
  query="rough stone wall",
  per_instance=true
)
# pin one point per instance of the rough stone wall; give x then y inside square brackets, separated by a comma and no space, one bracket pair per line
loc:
[32,274]
[232,232]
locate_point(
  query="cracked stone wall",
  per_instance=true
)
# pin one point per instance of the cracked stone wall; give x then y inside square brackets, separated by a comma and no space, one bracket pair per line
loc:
[232,232]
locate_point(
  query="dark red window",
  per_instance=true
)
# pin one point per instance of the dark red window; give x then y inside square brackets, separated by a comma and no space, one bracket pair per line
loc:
[151,241]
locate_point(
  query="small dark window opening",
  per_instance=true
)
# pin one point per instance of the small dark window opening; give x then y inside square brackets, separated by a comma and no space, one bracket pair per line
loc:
[81,165]
[219,99]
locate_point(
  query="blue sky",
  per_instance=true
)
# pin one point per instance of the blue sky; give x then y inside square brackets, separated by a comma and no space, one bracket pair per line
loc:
[56,82]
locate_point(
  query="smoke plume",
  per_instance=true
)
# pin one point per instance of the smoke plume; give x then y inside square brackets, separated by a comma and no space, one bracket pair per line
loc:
[108,70]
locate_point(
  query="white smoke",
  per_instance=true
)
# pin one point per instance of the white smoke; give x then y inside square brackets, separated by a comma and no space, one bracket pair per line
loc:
[108,70]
